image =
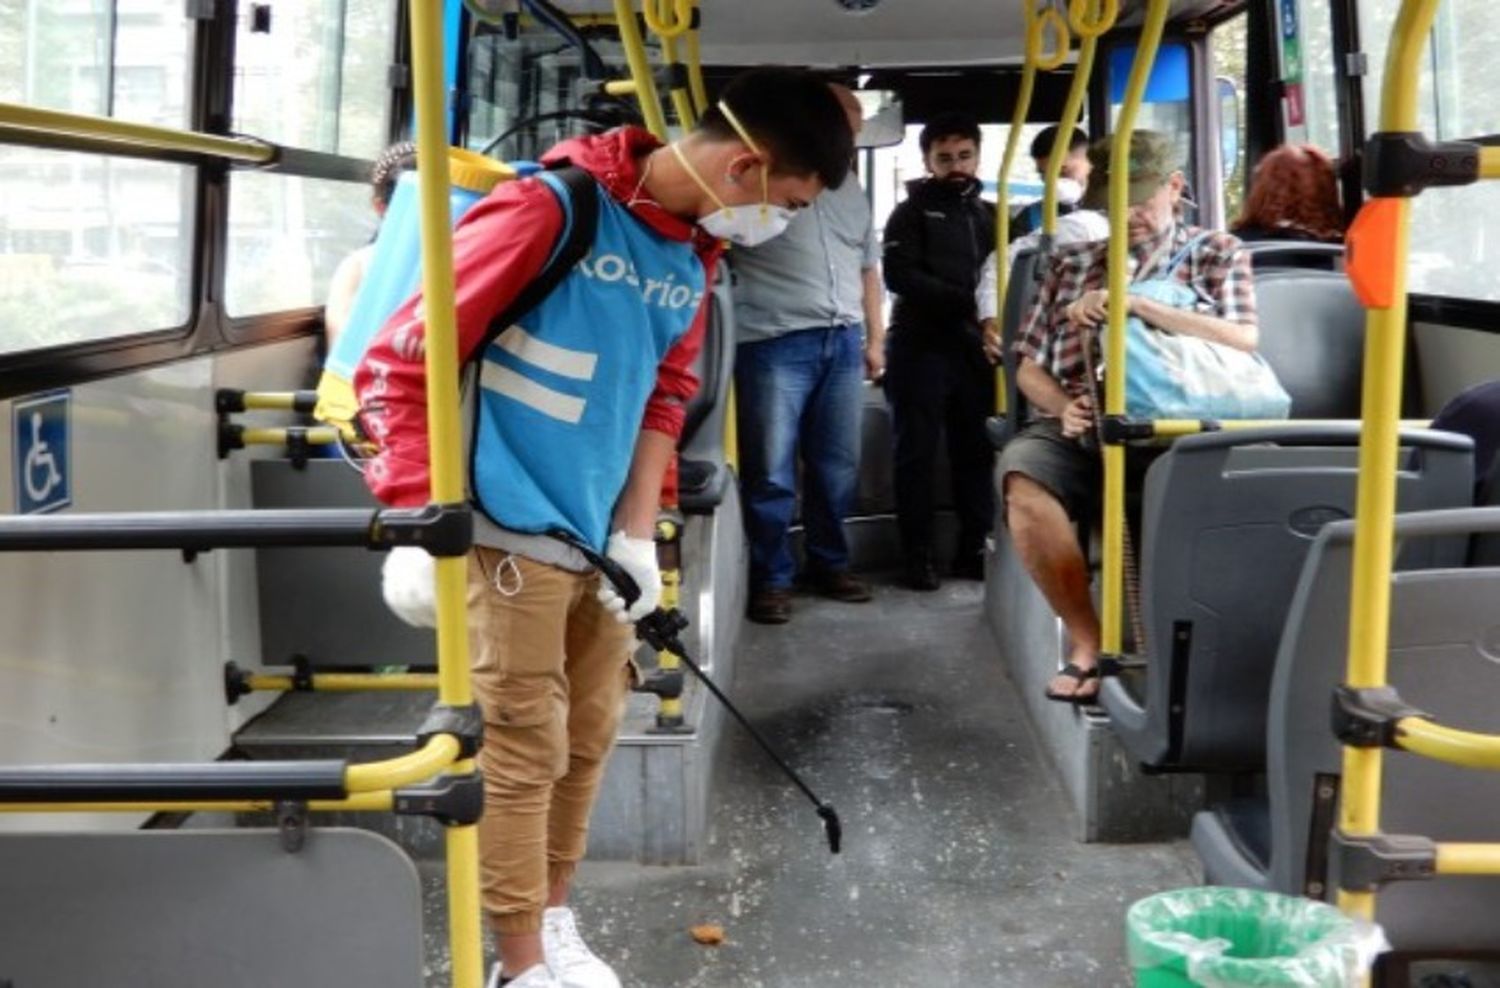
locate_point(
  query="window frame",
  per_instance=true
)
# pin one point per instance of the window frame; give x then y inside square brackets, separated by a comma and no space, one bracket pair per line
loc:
[208,328]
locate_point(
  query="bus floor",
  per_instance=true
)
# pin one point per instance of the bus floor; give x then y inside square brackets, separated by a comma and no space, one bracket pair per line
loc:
[957,867]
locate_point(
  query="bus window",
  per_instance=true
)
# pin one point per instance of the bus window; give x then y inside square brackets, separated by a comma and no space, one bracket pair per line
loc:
[1319,92]
[287,234]
[317,78]
[1450,253]
[1168,106]
[91,246]
[1227,45]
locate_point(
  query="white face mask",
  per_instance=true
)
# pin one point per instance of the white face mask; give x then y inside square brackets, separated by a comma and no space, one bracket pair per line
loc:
[747,226]
[1069,190]
[744,226]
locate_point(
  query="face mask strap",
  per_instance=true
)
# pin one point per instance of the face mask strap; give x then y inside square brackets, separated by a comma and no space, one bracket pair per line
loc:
[693,174]
[765,168]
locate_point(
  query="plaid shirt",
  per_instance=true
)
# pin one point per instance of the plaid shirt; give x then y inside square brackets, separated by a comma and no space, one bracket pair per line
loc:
[1216,270]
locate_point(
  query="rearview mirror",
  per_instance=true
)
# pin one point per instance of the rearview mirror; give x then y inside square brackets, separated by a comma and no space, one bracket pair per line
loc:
[885,121]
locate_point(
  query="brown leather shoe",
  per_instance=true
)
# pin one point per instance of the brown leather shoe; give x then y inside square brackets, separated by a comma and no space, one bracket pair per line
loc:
[838,585]
[770,606]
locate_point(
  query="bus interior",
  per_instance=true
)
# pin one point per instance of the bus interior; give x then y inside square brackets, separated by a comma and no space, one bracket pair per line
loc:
[226,762]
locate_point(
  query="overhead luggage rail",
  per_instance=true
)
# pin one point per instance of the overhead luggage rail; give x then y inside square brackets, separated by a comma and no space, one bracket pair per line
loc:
[1399,163]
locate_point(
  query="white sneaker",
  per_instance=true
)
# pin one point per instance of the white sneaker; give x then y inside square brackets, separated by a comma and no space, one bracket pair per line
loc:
[572,962]
[536,976]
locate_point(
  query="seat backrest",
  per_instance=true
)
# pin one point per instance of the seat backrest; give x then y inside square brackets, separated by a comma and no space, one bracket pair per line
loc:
[1227,522]
[1026,273]
[1441,660]
[1312,332]
[703,422]
[176,909]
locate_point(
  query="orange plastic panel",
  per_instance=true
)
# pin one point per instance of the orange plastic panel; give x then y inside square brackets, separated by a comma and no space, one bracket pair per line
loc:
[1370,249]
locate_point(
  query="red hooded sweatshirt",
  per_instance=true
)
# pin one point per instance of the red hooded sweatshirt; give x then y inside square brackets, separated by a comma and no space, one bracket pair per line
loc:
[499,247]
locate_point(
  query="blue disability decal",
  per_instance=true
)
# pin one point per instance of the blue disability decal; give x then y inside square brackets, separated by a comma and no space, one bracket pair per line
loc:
[39,436]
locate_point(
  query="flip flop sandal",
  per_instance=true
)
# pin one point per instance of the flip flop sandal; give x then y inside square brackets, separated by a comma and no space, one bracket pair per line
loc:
[1080,676]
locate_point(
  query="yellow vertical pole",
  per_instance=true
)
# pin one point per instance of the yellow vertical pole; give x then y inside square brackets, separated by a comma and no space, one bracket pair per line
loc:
[1037,25]
[1088,19]
[640,68]
[444,442]
[1375,503]
[695,70]
[682,101]
[1114,350]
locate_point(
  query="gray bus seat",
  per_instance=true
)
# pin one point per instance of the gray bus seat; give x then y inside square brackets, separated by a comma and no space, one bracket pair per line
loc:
[1238,842]
[1026,273]
[1227,521]
[1312,333]
[1309,254]
[184,909]
[325,604]
[703,474]
[1441,624]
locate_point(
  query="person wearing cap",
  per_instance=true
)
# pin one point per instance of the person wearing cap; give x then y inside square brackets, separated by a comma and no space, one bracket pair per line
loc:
[808,315]
[1050,472]
[579,404]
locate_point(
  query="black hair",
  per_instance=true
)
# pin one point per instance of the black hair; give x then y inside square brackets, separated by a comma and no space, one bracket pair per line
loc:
[388,168]
[1041,145]
[794,115]
[952,123]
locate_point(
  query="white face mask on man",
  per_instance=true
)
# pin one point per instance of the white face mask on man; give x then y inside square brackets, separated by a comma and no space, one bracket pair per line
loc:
[1069,190]
[744,226]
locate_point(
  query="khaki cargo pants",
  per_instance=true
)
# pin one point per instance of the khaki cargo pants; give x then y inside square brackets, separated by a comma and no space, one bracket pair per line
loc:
[550,670]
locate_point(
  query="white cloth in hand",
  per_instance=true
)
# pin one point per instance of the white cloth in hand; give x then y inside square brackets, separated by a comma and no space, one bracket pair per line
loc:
[636,557]
[409,583]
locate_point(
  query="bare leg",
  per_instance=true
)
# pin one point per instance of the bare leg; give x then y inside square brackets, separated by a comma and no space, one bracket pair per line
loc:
[519,952]
[1044,538]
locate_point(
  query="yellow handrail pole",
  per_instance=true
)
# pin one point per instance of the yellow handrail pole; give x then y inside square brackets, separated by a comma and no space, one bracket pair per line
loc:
[393,773]
[1375,502]
[1468,859]
[695,70]
[1002,181]
[1450,745]
[447,475]
[364,802]
[340,682]
[1113,583]
[640,68]
[133,136]
[682,100]
[1489,162]
[1089,25]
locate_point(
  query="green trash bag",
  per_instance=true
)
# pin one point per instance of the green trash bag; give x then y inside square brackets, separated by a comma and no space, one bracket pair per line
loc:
[1240,938]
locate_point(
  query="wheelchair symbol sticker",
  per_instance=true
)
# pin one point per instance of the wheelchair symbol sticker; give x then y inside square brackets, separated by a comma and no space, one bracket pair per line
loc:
[39,436]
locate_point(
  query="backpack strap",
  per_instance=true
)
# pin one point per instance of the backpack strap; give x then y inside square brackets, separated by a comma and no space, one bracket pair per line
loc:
[577,193]
[1185,252]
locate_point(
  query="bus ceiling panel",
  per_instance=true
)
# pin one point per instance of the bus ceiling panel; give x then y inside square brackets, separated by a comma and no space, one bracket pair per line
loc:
[871,33]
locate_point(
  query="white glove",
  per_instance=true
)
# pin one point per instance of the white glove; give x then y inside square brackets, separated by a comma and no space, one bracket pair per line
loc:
[638,558]
[409,583]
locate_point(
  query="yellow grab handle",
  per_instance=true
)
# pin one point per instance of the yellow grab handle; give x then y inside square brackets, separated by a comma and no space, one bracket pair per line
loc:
[1047,21]
[682,19]
[1088,24]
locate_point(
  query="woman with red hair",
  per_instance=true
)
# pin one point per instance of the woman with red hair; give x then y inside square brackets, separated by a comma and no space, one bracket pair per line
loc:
[1294,195]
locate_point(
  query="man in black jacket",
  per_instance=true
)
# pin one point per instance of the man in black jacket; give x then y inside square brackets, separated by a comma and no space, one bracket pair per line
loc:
[937,376]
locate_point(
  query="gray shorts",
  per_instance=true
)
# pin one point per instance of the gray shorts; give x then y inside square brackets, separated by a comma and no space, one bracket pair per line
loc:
[1067,467]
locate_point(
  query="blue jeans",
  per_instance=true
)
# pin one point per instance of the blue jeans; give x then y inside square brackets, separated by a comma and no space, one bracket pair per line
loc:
[800,388]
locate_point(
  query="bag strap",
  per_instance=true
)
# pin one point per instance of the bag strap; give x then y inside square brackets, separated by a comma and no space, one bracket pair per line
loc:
[577,194]
[1156,274]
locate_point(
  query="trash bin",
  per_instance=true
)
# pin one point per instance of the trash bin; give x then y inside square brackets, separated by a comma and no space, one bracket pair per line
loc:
[1240,938]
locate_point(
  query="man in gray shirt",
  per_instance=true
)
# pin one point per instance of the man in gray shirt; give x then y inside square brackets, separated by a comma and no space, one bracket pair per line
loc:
[808,306]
